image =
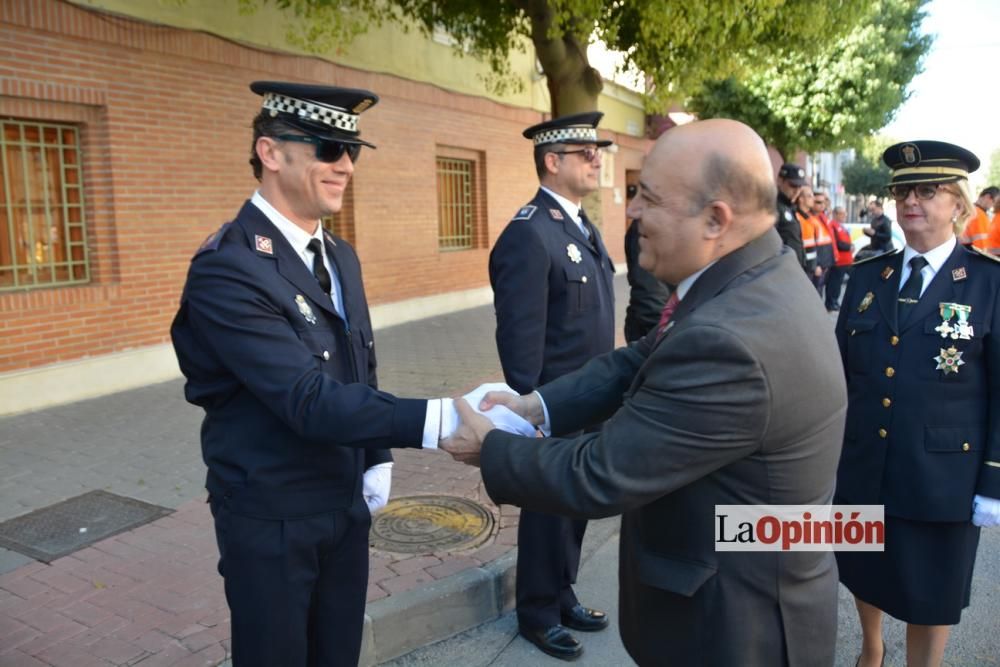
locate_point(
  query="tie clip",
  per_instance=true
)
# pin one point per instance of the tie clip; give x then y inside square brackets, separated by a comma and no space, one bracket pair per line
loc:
[908,300]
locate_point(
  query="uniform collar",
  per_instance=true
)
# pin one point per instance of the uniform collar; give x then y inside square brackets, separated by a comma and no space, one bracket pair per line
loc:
[935,257]
[297,237]
[572,208]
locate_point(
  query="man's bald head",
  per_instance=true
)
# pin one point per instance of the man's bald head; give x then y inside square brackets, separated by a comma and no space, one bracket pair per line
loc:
[706,189]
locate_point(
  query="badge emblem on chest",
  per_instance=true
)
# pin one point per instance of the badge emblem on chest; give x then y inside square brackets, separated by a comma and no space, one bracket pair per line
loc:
[949,360]
[865,302]
[574,253]
[305,309]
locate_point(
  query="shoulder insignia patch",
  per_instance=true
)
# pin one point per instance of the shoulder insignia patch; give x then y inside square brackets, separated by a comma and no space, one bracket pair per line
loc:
[983,253]
[525,213]
[883,255]
[213,240]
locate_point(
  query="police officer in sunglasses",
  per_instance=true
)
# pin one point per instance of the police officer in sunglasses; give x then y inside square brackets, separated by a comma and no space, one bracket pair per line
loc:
[274,337]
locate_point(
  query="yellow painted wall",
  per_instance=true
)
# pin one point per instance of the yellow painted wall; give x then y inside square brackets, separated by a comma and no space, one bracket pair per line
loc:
[387,49]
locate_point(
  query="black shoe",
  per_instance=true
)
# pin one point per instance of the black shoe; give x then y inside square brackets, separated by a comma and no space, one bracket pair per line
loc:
[584,619]
[556,641]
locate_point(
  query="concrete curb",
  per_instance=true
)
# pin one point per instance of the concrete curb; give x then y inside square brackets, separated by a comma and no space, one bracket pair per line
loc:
[401,623]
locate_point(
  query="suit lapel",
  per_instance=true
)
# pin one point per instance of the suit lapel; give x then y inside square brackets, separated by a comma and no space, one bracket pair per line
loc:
[720,274]
[338,255]
[255,224]
[943,287]
[887,291]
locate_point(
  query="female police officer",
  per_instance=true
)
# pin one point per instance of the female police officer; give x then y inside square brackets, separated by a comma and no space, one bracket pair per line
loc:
[919,333]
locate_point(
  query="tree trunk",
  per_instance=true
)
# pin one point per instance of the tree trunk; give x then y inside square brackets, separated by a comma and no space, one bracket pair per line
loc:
[573,84]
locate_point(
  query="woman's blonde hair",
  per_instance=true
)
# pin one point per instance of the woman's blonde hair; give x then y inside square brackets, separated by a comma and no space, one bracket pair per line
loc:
[965,201]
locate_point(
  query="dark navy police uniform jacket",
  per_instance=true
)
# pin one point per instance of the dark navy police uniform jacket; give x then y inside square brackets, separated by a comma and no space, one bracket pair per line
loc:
[553,294]
[920,440]
[292,415]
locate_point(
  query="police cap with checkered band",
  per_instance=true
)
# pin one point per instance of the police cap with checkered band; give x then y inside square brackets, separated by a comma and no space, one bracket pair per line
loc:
[580,128]
[928,162]
[327,112]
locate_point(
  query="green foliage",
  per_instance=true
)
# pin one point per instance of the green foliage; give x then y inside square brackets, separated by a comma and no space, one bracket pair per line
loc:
[849,88]
[865,176]
[993,175]
[677,43]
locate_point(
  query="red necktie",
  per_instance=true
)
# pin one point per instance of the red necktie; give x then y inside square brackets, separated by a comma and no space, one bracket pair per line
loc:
[668,312]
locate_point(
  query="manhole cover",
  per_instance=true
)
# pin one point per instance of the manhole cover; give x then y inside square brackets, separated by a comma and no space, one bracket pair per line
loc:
[57,530]
[423,524]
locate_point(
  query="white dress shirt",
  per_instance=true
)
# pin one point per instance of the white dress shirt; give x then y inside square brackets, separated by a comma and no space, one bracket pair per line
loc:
[935,257]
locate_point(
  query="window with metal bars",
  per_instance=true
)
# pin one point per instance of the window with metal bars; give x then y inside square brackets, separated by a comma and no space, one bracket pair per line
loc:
[43,235]
[457,203]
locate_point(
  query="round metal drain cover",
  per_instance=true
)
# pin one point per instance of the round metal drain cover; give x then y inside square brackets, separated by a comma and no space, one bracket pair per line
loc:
[423,524]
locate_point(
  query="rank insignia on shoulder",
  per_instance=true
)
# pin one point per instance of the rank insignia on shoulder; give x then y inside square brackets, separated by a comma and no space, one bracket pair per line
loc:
[865,302]
[263,244]
[958,274]
[305,309]
[525,213]
[213,240]
[556,214]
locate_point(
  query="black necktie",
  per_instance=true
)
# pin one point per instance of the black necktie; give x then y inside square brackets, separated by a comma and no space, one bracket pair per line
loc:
[588,229]
[319,270]
[910,294]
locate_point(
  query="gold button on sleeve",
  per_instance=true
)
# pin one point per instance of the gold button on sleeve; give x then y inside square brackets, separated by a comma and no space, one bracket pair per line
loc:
[882,433]
[890,371]
[886,402]
[965,446]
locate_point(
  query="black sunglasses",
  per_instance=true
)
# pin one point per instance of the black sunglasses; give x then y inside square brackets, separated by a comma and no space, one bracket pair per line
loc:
[326,151]
[923,191]
[589,154]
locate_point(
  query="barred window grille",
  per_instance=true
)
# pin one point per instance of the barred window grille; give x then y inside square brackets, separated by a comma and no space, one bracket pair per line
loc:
[456,203]
[342,223]
[43,235]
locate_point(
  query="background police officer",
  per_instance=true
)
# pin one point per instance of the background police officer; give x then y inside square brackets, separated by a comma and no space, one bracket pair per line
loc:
[791,178]
[554,299]
[274,338]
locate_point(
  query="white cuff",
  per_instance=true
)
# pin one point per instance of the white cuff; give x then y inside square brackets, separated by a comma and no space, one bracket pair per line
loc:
[545,427]
[432,424]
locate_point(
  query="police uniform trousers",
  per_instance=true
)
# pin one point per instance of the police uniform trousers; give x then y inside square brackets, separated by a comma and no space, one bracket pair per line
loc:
[923,577]
[548,558]
[287,579]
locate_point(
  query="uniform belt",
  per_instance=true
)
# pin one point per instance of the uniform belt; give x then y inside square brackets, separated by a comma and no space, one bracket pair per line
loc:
[279,502]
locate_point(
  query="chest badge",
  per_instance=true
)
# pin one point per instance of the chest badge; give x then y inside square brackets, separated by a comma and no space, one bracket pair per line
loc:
[865,302]
[961,329]
[574,253]
[887,272]
[263,244]
[949,360]
[556,214]
[305,309]
[958,274]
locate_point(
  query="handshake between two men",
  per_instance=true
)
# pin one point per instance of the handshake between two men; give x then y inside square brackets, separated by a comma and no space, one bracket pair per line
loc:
[490,406]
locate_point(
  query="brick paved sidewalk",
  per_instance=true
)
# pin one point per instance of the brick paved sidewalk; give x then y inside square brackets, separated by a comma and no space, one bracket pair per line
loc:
[151,596]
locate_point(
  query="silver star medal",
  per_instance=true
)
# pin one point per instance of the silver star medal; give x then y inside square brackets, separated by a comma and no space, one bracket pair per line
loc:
[304,308]
[949,360]
[574,253]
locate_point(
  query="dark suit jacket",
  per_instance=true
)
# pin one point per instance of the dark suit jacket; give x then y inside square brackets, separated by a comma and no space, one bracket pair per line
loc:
[942,431]
[789,228]
[292,416]
[740,402]
[553,294]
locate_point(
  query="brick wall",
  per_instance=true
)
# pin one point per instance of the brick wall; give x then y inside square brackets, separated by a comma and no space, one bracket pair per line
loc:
[165,119]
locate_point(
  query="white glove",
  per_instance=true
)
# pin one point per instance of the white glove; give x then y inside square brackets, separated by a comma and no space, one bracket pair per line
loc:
[985,511]
[375,486]
[501,416]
